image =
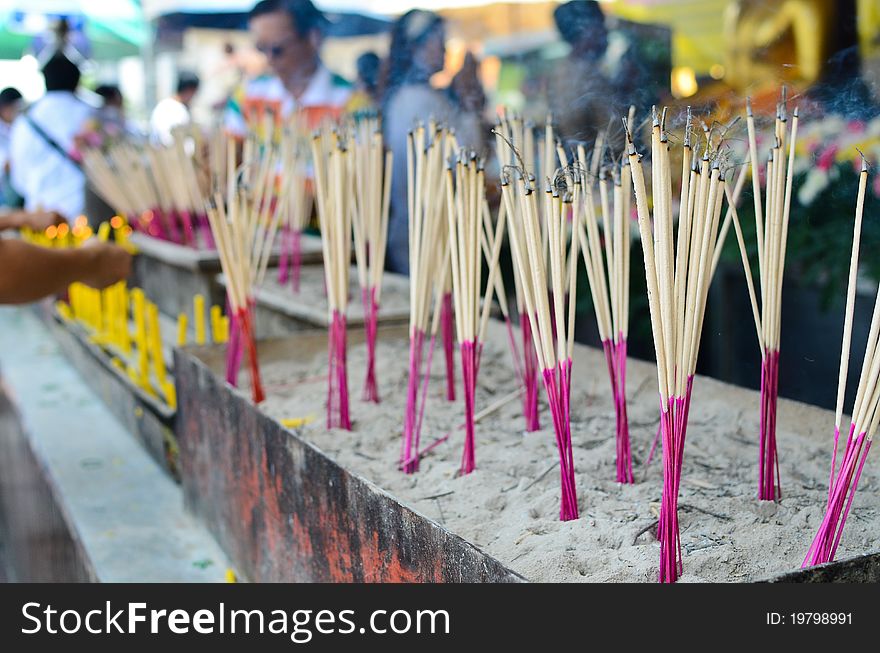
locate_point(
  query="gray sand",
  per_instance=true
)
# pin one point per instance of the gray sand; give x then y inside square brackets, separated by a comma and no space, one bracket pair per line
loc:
[509,506]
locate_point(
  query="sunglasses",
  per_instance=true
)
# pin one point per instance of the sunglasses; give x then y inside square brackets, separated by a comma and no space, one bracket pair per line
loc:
[273,51]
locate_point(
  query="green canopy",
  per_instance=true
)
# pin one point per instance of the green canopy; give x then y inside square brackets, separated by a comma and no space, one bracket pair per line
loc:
[113,29]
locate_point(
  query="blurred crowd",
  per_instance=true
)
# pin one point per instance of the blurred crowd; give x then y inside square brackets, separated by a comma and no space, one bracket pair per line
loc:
[40,145]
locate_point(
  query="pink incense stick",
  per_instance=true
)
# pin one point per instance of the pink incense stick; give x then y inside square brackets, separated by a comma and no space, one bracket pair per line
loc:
[233,349]
[371,323]
[769,486]
[673,428]
[530,376]
[409,455]
[469,367]
[159,226]
[205,228]
[337,379]
[615,358]
[284,257]
[248,337]
[189,234]
[448,332]
[841,495]
[557,383]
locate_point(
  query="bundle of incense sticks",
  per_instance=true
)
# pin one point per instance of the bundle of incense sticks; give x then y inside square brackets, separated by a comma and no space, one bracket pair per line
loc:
[844,480]
[244,224]
[334,190]
[515,145]
[159,188]
[678,280]
[176,174]
[122,177]
[429,263]
[465,198]
[295,172]
[610,291]
[372,192]
[771,226]
[539,282]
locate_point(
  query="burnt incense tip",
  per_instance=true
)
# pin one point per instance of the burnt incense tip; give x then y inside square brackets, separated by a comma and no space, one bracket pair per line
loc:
[795,112]
[655,119]
[864,160]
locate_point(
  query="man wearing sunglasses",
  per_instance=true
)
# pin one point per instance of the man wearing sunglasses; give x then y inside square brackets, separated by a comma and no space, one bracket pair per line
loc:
[288,33]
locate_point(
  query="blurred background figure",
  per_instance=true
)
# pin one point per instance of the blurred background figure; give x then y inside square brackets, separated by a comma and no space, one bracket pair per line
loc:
[10,106]
[369,67]
[289,34]
[111,114]
[580,94]
[174,111]
[45,169]
[418,52]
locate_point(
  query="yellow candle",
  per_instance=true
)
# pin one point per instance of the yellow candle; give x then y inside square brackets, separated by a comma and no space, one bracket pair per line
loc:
[139,311]
[224,329]
[104,232]
[108,313]
[181,329]
[170,394]
[199,318]
[124,329]
[216,325]
[155,341]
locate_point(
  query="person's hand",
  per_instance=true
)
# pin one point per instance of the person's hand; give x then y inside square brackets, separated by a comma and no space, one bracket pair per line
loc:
[41,220]
[466,85]
[105,264]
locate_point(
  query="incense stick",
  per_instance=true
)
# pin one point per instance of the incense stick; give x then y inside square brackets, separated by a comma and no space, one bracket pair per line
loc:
[542,277]
[771,221]
[468,232]
[844,479]
[334,189]
[244,225]
[609,292]
[427,149]
[515,147]
[372,184]
[678,279]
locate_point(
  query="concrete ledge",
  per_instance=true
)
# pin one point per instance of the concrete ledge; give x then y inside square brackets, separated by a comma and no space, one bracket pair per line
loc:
[99,506]
[285,511]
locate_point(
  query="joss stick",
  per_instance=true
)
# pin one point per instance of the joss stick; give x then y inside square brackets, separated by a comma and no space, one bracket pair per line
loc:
[427,149]
[465,199]
[511,136]
[772,235]
[609,292]
[542,277]
[678,280]
[295,176]
[243,225]
[844,479]
[372,181]
[334,187]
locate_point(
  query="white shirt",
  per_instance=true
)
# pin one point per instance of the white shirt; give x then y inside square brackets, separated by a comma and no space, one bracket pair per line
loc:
[44,177]
[5,131]
[324,91]
[167,115]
